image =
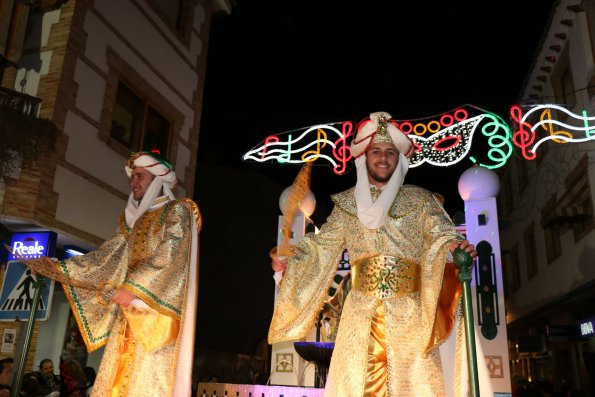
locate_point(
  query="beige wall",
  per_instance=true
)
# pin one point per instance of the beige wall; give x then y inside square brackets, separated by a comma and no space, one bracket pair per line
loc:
[73,60]
[568,33]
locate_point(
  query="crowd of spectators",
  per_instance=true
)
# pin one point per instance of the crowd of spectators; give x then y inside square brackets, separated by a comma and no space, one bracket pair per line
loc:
[74,380]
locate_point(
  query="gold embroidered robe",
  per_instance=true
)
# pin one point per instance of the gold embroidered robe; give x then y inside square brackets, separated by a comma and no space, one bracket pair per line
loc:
[152,261]
[419,230]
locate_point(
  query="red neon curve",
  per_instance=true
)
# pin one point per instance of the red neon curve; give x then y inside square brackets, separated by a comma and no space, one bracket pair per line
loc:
[456,139]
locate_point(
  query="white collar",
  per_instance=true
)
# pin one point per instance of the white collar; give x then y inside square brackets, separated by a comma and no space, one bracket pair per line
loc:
[373,214]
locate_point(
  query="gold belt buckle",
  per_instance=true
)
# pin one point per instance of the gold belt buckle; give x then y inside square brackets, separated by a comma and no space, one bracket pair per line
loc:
[386,277]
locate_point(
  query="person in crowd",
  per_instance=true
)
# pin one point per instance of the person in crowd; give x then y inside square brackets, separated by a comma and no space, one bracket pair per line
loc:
[74,379]
[5,376]
[46,379]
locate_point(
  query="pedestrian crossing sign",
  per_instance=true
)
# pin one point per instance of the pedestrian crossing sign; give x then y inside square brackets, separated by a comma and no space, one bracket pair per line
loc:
[16,295]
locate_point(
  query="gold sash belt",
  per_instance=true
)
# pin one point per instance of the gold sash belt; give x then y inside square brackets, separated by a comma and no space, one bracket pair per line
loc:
[385,277]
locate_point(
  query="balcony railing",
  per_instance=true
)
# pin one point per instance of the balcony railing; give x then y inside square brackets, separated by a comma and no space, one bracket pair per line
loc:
[26,104]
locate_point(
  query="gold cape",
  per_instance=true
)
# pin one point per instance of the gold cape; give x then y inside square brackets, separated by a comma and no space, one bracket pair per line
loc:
[419,230]
[152,260]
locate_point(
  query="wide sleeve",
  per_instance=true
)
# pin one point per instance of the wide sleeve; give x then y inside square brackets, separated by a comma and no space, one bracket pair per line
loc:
[92,270]
[160,279]
[305,286]
[89,281]
[440,288]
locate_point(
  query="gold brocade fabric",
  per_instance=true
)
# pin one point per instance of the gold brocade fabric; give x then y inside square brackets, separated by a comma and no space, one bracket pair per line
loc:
[153,329]
[152,261]
[377,368]
[385,277]
[419,230]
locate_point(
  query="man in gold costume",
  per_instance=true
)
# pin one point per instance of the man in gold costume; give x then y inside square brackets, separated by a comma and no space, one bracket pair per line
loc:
[136,294]
[405,295]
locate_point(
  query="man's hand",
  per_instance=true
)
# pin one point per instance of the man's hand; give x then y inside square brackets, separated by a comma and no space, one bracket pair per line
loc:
[123,297]
[279,264]
[465,245]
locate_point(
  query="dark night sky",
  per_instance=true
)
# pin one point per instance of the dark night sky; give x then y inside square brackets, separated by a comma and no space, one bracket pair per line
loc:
[274,66]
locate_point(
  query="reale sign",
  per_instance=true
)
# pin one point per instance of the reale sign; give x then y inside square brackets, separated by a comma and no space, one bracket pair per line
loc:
[32,245]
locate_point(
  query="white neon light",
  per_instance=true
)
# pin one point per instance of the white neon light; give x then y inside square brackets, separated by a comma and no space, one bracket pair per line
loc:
[465,129]
[558,136]
[267,152]
[562,138]
[557,107]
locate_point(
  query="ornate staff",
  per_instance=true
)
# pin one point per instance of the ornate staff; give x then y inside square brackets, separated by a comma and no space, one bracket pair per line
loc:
[299,190]
[464,262]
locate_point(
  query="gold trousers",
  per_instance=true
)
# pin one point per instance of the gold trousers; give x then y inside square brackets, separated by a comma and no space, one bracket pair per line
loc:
[377,371]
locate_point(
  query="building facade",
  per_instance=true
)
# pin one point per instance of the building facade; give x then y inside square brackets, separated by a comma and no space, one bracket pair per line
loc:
[546,210]
[104,78]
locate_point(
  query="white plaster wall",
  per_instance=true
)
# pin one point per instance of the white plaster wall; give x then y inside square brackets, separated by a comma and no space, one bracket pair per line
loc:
[81,203]
[142,35]
[87,152]
[182,161]
[91,90]
[199,20]
[86,206]
[179,191]
[117,25]
[572,269]
[568,272]
[33,63]
[51,332]
[42,30]
[34,66]
[101,37]
[580,48]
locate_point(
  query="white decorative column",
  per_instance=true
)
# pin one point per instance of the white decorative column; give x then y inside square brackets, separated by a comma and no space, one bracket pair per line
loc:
[478,187]
[287,367]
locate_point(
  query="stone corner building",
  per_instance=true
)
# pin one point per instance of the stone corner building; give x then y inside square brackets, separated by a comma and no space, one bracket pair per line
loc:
[102,79]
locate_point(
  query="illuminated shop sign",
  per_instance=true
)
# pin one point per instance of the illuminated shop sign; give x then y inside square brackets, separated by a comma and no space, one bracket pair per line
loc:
[587,328]
[73,250]
[32,245]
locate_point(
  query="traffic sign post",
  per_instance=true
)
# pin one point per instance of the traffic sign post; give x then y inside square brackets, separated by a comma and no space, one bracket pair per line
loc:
[23,292]
[17,293]
[38,285]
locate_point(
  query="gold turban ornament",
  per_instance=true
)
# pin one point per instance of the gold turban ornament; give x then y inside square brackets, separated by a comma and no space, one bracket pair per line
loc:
[380,128]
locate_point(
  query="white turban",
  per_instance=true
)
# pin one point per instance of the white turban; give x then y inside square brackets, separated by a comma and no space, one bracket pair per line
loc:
[165,179]
[373,214]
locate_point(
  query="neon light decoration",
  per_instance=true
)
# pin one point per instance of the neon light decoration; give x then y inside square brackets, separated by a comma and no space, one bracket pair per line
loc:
[319,142]
[441,140]
[451,134]
[537,126]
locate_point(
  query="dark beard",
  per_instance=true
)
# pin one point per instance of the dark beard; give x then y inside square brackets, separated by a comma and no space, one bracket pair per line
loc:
[378,178]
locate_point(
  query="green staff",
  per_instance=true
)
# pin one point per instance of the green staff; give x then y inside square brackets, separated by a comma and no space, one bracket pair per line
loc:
[464,262]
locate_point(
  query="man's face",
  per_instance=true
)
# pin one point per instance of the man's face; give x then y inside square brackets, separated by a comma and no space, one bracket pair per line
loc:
[47,370]
[140,181]
[381,162]
[5,373]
